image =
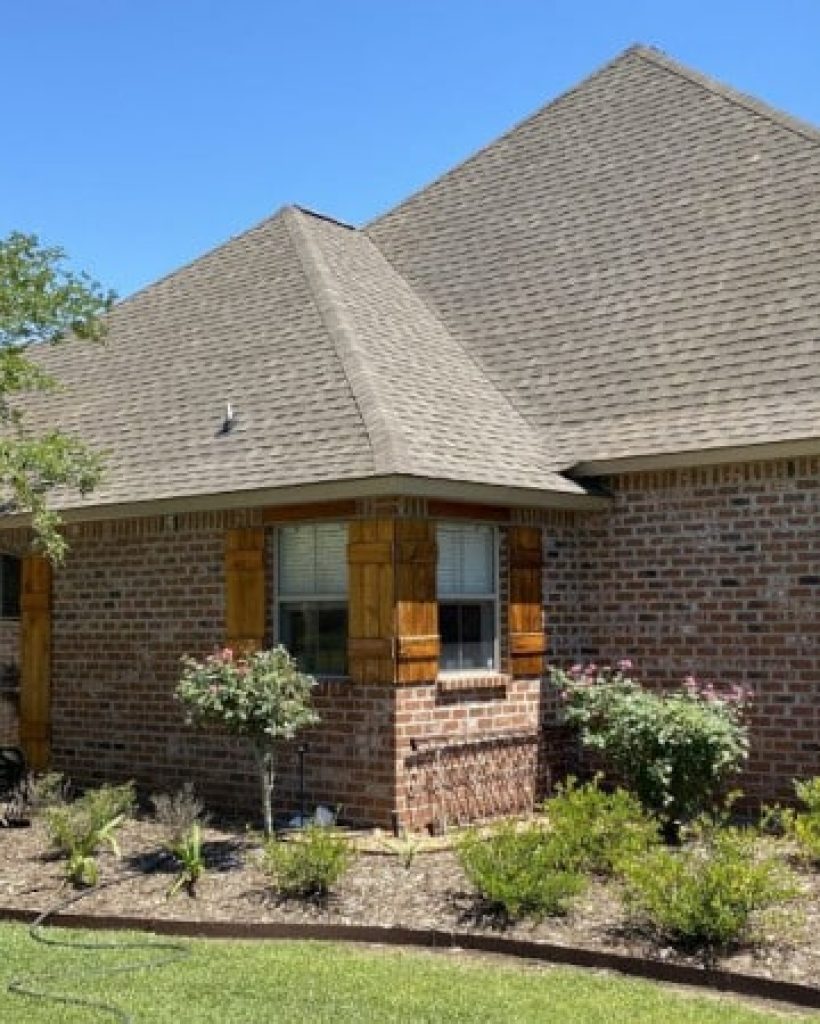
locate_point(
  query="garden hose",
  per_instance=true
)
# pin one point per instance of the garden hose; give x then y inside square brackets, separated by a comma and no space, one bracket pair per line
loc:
[33,985]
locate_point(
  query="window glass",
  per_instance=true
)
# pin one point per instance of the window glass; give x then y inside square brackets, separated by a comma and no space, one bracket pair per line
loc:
[466,580]
[312,596]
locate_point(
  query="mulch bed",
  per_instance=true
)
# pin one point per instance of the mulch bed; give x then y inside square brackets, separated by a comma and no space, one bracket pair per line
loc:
[432,893]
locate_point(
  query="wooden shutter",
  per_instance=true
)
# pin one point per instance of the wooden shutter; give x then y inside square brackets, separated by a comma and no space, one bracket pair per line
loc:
[392,601]
[528,641]
[245,589]
[417,641]
[35,661]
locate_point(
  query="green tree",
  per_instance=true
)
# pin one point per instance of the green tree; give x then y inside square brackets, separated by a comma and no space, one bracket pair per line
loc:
[262,697]
[41,302]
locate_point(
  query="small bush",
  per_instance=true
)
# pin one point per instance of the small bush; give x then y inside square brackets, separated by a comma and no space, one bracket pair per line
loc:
[707,895]
[79,829]
[803,826]
[179,812]
[520,872]
[596,831]
[309,864]
[676,751]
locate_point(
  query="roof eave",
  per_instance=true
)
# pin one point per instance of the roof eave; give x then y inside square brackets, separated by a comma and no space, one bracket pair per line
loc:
[759,452]
[389,485]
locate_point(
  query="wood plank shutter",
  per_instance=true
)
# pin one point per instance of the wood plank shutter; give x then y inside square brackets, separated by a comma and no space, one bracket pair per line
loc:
[245,589]
[35,661]
[417,638]
[528,640]
[393,616]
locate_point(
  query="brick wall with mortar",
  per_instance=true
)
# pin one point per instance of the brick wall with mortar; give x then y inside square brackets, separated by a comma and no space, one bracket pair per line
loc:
[133,597]
[715,571]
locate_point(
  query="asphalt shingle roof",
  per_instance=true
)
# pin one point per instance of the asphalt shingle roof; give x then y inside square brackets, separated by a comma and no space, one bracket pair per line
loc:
[633,270]
[636,266]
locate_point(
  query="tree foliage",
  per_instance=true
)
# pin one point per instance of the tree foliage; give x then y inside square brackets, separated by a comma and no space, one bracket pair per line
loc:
[41,302]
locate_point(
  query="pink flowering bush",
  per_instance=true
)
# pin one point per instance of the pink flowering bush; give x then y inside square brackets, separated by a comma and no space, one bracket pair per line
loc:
[261,696]
[676,751]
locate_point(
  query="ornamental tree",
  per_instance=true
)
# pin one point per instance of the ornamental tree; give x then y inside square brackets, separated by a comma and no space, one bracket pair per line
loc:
[262,697]
[675,750]
[41,302]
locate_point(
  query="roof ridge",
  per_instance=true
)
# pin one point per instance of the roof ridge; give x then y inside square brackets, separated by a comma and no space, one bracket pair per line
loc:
[464,349]
[751,103]
[560,98]
[385,445]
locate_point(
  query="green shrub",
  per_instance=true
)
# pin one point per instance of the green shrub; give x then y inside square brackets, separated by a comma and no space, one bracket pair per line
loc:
[707,895]
[79,829]
[803,826]
[595,831]
[676,751]
[520,871]
[309,864]
[187,851]
[178,812]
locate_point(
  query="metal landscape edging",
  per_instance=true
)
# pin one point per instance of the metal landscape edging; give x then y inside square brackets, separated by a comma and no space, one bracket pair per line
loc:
[635,966]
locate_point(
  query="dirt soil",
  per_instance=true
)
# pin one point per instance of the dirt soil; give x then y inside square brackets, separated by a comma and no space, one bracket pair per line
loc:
[378,890]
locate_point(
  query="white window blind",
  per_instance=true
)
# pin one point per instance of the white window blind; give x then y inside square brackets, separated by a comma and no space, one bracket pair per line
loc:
[466,561]
[313,560]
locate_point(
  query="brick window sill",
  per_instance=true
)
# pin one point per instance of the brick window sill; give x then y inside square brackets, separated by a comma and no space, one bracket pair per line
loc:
[454,682]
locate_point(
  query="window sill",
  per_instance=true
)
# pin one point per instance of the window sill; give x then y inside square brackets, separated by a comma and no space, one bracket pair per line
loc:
[454,682]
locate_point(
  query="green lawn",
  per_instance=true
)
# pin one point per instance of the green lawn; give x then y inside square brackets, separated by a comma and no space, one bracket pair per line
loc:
[314,982]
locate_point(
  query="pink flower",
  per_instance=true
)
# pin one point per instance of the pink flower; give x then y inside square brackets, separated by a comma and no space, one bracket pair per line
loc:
[227,654]
[690,684]
[576,670]
[625,665]
[590,670]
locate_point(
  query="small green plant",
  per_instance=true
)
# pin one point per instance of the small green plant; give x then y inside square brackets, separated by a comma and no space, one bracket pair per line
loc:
[803,826]
[596,831]
[187,850]
[405,848]
[707,895]
[676,750]
[45,790]
[520,871]
[308,864]
[79,829]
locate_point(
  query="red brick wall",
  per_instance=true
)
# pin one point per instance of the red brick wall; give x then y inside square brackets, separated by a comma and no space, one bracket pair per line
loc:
[133,597]
[714,571]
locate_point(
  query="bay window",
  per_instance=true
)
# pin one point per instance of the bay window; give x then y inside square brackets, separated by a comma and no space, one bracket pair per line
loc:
[311,596]
[467,587]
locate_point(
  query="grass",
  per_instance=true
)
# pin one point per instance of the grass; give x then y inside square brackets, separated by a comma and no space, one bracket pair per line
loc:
[245,983]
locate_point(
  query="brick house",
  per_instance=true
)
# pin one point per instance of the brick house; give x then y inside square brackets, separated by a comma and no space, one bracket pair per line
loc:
[563,403]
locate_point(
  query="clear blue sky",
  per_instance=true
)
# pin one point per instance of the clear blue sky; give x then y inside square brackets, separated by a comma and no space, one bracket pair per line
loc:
[139,133]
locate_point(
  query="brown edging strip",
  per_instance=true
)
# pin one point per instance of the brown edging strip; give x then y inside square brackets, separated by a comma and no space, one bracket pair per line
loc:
[634,966]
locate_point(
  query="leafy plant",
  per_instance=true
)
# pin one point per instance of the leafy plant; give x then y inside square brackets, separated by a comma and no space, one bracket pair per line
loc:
[308,864]
[261,696]
[594,830]
[707,895]
[41,301]
[178,812]
[405,848]
[45,790]
[803,826]
[676,751]
[187,850]
[79,829]
[521,872]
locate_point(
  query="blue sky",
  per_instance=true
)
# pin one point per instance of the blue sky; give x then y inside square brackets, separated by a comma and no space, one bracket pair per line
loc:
[139,133]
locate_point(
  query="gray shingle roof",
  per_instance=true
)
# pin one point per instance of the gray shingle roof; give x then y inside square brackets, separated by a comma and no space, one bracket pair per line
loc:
[334,366]
[637,266]
[633,270]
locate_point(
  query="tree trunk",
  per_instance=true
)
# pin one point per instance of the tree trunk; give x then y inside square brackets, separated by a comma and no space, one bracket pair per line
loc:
[267,776]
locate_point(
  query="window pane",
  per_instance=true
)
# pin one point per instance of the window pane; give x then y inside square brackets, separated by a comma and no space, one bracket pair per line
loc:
[315,633]
[312,560]
[466,562]
[467,632]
